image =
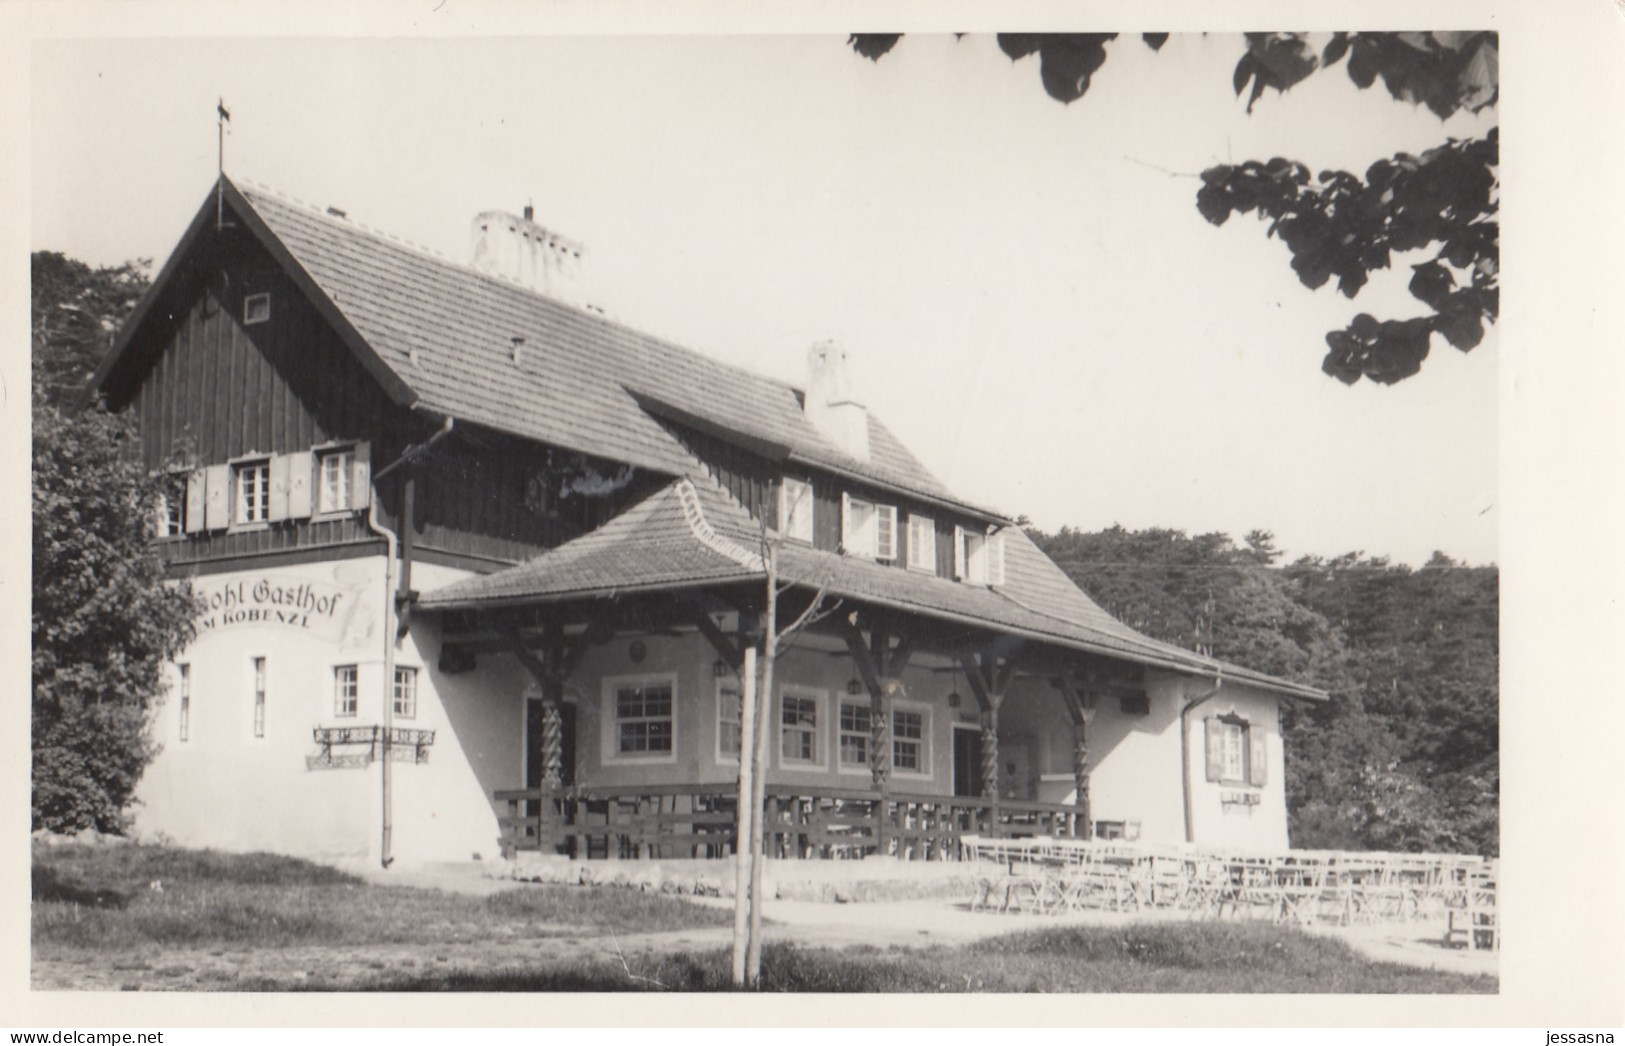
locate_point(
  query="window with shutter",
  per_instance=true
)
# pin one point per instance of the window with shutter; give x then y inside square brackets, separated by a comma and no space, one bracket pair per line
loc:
[857,526]
[335,475]
[1235,751]
[251,481]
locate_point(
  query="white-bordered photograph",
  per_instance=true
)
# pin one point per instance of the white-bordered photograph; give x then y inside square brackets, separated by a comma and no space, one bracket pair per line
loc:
[987,512]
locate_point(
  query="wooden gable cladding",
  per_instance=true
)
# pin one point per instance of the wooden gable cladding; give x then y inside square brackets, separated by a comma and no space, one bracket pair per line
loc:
[748,478]
[488,497]
[206,388]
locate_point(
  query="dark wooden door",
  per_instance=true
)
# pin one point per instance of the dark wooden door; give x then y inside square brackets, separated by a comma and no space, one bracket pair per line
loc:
[967,760]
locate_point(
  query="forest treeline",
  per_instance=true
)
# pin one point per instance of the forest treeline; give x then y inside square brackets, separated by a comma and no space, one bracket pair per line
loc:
[1405,754]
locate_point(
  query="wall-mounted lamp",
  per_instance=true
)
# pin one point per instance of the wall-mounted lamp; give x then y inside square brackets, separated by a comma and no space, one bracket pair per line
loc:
[719,668]
[954,699]
[637,651]
[854,687]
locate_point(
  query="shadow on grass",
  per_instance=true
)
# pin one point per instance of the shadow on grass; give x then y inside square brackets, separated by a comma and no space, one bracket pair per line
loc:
[51,886]
[1153,958]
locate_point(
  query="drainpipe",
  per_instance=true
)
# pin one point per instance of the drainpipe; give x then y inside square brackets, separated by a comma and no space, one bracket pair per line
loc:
[411,454]
[1185,750]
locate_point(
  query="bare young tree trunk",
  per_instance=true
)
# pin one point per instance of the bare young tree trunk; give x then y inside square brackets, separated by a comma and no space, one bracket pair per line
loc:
[744,826]
[758,800]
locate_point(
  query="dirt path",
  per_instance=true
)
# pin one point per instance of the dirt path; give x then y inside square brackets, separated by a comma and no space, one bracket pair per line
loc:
[806,923]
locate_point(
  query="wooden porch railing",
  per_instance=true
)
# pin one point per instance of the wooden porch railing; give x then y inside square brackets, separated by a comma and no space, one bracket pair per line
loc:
[694,821]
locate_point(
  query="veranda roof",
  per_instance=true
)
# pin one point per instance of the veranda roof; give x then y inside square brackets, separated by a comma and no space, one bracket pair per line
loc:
[691,533]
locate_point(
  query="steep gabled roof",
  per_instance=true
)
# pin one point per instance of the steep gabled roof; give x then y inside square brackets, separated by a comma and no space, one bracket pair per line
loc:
[692,533]
[439,336]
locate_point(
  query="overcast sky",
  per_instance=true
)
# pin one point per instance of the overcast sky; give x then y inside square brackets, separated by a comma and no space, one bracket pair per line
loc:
[1030,298]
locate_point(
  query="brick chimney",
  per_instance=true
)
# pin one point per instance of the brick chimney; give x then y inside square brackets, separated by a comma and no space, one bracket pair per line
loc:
[831,405]
[519,250]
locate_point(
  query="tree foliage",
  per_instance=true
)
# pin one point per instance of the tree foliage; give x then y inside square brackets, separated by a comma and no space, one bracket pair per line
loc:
[1405,754]
[76,310]
[1334,223]
[104,621]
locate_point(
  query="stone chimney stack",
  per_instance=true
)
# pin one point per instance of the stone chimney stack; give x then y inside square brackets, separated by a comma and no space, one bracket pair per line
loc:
[831,405]
[520,251]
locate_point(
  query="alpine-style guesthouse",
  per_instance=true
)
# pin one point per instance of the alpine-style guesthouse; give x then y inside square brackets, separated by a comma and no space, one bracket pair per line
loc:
[481,567]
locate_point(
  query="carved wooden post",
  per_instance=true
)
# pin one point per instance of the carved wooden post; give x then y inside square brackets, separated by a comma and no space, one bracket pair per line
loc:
[1081,711]
[1080,770]
[552,744]
[990,765]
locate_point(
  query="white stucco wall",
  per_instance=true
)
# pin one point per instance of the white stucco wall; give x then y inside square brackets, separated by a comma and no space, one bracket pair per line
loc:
[225,787]
[1218,816]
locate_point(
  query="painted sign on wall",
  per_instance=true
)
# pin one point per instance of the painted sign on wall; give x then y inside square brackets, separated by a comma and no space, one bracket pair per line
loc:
[300,604]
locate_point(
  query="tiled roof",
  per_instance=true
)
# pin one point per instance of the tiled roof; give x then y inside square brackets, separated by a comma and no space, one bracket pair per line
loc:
[657,544]
[446,330]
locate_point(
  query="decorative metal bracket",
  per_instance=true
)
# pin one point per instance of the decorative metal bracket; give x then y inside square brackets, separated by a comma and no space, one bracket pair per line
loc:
[406,745]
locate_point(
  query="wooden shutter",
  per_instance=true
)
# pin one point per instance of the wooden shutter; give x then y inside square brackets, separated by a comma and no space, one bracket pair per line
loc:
[194,502]
[300,483]
[846,523]
[1214,738]
[995,559]
[361,478]
[277,504]
[217,497]
[1257,760]
[959,552]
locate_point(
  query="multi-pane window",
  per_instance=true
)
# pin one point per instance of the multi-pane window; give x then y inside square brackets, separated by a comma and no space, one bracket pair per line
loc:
[345,691]
[1236,753]
[978,557]
[854,728]
[259,697]
[185,701]
[868,529]
[643,718]
[334,470]
[970,556]
[908,742]
[728,732]
[885,531]
[798,728]
[253,483]
[796,509]
[405,693]
[171,508]
[1233,750]
[922,543]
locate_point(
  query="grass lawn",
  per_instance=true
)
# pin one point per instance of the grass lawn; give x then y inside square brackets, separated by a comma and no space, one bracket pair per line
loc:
[123,897]
[237,921]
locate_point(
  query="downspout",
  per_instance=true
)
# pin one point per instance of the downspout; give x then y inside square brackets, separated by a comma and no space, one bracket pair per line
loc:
[391,638]
[1185,751]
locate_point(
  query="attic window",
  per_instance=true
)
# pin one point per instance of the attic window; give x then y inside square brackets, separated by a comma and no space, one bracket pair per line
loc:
[256,308]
